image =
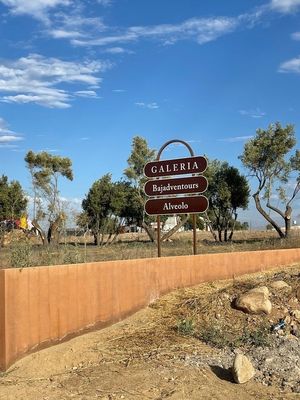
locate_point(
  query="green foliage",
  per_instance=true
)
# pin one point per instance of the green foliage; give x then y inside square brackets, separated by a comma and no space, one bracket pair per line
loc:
[240,226]
[104,207]
[72,255]
[228,190]
[220,337]
[140,155]
[45,170]
[267,157]
[12,199]
[21,254]
[186,327]
[199,223]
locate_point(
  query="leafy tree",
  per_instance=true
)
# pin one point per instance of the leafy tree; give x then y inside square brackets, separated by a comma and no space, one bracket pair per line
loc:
[199,223]
[268,158]
[104,208]
[227,191]
[45,170]
[140,155]
[12,199]
[240,226]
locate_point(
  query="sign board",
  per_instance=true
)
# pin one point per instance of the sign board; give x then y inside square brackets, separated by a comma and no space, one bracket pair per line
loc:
[179,166]
[176,205]
[166,187]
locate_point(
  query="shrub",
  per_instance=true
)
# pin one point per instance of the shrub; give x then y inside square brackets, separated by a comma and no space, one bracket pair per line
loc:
[21,254]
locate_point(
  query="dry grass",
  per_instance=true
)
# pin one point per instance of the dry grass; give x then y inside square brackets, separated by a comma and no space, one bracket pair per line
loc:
[23,252]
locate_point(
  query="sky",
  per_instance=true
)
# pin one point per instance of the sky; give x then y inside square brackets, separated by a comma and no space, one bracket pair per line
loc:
[81,78]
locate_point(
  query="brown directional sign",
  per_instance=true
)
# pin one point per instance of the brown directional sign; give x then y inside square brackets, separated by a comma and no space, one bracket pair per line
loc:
[179,166]
[163,187]
[176,205]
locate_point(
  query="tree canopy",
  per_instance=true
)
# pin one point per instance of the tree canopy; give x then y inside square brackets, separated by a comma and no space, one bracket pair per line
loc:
[104,208]
[228,191]
[45,170]
[269,158]
[12,199]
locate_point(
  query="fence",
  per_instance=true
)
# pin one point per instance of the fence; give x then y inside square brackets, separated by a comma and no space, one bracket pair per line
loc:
[43,305]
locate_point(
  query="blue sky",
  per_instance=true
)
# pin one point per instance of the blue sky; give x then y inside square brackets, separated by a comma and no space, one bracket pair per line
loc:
[82,78]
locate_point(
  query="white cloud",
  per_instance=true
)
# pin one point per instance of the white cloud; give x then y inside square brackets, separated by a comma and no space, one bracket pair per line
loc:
[35,79]
[119,90]
[257,113]
[236,139]
[151,106]
[8,138]
[35,8]
[201,30]
[73,25]
[285,6]
[64,34]
[105,3]
[117,50]
[292,65]
[295,36]
[86,93]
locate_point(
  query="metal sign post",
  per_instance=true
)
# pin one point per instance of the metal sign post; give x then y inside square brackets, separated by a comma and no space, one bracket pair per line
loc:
[185,191]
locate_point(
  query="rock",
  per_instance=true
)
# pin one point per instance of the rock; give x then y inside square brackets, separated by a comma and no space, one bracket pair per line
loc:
[242,369]
[278,285]
[260,289]
[256,301]
[298,293]
[296,314]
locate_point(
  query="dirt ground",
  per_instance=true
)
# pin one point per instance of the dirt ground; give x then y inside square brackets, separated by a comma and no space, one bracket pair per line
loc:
[142,357]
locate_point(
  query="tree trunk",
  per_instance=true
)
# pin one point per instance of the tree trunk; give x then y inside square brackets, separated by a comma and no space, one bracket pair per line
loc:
[175,229]
[233,226]
[150,232]
[287,220]
[220,234]
[266,216]
[54,230]
[40,231]
[207,220]
[225,235]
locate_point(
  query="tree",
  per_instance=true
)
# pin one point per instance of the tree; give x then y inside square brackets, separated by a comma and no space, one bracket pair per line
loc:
[140,155]
[268,158]
[45,170]
[189,224]
[104,208]
[12,199]
[227,191]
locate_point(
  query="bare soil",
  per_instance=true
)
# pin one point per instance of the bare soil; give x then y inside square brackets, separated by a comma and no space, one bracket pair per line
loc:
[150,356]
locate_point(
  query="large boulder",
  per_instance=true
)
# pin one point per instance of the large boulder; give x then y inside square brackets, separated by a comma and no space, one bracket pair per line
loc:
[255,301]
[242,369]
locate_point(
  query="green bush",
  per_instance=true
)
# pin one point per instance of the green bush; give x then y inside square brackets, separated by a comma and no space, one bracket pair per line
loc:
[186,327]
[21,254]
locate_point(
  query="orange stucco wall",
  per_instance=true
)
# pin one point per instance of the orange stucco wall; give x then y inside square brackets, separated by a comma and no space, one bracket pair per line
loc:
[40,306]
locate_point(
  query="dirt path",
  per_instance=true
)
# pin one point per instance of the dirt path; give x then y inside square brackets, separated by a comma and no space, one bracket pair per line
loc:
[139,358]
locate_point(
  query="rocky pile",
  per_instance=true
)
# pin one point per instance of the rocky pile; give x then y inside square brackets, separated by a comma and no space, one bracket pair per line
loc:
[252,323]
